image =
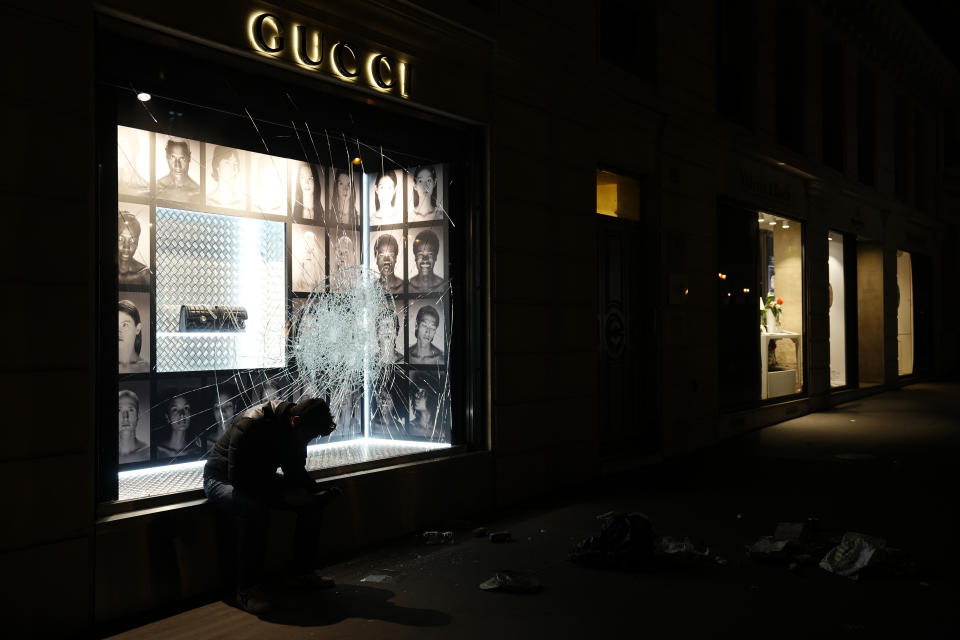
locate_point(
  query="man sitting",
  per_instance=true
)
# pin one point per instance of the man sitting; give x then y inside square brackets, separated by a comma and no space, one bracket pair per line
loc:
[240,479]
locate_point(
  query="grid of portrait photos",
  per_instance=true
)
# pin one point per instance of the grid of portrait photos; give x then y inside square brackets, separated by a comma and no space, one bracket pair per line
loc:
[409,249]
[175,409]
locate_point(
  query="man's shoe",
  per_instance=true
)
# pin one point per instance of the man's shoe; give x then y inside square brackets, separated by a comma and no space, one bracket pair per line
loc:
[253,600]
[309,581]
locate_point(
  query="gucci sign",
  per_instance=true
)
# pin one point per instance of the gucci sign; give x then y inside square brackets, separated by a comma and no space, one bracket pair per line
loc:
[309,48]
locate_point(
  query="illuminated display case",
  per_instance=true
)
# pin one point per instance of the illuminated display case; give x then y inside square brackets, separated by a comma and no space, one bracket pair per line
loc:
[259,261]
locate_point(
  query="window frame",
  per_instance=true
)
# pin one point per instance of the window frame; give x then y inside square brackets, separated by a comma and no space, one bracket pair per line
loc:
[467,364]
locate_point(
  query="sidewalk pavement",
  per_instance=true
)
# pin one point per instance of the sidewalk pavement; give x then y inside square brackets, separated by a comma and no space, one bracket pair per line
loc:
[882,466]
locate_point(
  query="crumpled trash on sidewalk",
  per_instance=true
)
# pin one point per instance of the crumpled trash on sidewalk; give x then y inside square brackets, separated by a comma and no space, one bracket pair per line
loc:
[626,541]
[512,581]
[438,537]
[680,548]
[854,552]
[384,576]
[767,547]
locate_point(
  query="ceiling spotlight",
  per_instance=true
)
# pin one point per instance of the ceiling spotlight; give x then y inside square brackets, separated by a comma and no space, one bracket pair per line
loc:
[785,225]
[773,223]
[143,96]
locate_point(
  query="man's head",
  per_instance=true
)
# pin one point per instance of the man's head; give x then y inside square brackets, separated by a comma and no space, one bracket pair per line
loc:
[178,413]
[129,410]
[428,319]
[128,237]
[388,328]
[225,408]
[425,248]
[310,418]
[385,249]
[344,252]
[178,157]
[226,163]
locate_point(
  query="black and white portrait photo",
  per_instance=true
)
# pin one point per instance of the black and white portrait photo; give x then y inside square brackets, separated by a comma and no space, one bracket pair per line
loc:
[178,169]
[427,332]
[344,208]
[347,414]
[307,191]
[344,254]
[307,258]
[133,162]
[177,433]
[133,245]
[390,334]
[425,193]
[427,259]
[268,184]
[388,406]
[226,404]
[387,259]
[386,198]
[133,332]
[134,417]
[428,417]
[227,177]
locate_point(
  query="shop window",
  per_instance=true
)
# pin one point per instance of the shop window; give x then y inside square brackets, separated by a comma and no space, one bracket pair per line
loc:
[837,305]
[781,305]
[618,196]
[904,313]
[760,260]
[263,262]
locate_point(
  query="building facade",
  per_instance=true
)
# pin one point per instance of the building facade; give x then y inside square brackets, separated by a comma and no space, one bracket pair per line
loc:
[615,233]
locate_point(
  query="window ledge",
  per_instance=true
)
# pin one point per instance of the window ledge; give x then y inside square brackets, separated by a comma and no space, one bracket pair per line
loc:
[146,490]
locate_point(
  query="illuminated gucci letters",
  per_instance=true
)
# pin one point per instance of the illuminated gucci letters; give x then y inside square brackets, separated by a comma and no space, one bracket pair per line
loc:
[309,48]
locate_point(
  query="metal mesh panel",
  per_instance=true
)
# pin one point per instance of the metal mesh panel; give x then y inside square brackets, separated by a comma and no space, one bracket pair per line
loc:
[157,481]
[210,259]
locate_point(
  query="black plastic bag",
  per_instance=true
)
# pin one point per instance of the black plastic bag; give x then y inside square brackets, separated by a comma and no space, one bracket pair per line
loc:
[626,541]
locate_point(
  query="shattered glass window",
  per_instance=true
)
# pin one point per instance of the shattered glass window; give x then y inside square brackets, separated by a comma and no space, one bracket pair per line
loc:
[274,243]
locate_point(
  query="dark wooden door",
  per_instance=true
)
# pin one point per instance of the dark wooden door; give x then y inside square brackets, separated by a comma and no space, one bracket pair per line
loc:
[627,396]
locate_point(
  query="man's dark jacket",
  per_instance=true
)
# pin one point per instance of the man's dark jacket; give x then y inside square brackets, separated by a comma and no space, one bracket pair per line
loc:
[259,441]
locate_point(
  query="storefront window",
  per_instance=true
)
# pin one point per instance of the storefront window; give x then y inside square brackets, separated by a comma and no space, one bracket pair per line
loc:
[618,196]
[259,261]
[759,306]
[904,313]
[837,304]
[781,305]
